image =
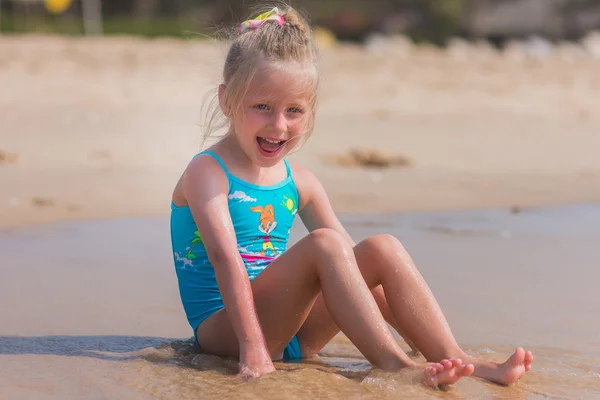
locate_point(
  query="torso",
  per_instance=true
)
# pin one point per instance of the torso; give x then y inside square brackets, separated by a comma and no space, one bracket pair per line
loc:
[262,217]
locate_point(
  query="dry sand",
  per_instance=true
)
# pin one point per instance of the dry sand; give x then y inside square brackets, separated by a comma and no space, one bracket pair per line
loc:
[93,128]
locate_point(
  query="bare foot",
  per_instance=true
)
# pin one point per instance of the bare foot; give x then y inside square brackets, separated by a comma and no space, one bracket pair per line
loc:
[507,372]
[446,372]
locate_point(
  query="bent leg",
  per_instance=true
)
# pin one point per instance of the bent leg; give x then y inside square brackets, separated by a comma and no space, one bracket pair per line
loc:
[286,290]
[379,296]
[319,329]
[383,260]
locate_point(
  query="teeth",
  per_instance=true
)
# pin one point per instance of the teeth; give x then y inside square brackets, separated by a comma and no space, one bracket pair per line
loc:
[272,141]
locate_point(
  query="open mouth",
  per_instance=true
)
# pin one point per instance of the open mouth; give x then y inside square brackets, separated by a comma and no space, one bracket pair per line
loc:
[270,146]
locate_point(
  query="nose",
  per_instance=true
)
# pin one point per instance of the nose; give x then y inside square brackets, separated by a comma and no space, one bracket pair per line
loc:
[279,121]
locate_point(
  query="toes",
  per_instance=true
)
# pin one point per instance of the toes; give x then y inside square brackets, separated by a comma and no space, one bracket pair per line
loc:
[439,367]
[520,352]
[457,362]
[467,370]
[517,358]
[447,372]
[429,377]
[528,358]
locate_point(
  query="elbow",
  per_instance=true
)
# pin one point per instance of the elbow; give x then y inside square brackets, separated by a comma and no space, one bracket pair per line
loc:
[220,256]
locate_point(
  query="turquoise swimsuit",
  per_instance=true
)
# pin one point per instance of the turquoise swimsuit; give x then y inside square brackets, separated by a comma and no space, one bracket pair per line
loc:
[262,217]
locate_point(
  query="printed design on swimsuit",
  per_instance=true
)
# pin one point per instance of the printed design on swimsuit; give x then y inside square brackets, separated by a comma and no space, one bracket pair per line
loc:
[254,259]
[187,259]
[185,262]
[239,197]
[289,204]
[195,241]
[267,225]
[267,251]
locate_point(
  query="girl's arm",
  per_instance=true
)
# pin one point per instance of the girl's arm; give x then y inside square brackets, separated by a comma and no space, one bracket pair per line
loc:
[205,188]
[315,209]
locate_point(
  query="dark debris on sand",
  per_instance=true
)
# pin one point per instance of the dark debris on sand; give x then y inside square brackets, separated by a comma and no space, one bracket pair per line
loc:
[372,159]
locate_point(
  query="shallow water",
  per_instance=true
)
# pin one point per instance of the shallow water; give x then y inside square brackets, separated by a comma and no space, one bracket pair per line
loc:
[90,309]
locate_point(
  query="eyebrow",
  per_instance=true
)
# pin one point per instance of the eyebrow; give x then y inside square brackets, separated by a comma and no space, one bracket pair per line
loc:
[260,99]
[259,95]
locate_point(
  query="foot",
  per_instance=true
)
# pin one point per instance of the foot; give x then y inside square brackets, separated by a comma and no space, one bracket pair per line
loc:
[507,372]
[446,372]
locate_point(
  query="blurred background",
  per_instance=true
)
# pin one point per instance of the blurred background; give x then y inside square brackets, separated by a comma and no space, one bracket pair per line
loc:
[424,104]
[423,20]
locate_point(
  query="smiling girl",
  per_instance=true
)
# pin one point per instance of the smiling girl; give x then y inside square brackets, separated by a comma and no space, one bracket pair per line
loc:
[258,302]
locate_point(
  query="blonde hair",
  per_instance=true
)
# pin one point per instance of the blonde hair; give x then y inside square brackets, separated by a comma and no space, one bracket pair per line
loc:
[282,46]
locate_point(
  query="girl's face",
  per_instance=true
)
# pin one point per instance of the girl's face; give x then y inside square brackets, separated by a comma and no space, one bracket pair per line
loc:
[274,113]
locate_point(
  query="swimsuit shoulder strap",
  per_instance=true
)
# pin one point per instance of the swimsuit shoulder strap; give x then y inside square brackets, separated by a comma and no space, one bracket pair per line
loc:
[287,167]
[221,163]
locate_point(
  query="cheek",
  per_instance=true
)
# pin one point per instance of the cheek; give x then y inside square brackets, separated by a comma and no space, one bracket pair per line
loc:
[254,120]
[297,125]
[248,123]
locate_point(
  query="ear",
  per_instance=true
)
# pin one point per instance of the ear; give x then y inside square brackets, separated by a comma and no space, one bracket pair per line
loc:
[222,100]
[258,209]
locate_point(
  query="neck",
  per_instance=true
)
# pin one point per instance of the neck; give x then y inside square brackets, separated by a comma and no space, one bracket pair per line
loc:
[232,148]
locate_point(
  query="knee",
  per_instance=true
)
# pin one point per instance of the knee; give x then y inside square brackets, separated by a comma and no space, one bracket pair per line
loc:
[384,247]
[329,241]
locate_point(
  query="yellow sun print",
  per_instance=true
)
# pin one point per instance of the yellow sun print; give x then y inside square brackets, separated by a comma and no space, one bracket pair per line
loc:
[289,203]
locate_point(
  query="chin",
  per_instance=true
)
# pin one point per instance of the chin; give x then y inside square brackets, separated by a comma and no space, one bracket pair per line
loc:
[264,162]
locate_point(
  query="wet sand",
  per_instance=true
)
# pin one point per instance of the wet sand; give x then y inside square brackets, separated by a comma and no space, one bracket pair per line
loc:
[90,309]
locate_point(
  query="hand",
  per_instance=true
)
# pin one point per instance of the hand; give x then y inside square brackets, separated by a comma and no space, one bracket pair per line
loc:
[254,364]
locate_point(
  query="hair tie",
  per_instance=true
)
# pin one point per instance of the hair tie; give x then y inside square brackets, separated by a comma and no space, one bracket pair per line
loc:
[255,23]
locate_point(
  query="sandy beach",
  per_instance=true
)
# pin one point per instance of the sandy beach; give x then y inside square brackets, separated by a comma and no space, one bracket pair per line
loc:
[95,128]
[485,165]
[90,310]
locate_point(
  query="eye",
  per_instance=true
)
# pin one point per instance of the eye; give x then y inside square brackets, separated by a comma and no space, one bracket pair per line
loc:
[263,107]
[295,110]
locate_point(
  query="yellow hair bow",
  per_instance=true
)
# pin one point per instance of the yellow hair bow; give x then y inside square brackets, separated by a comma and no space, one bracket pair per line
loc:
[272,15]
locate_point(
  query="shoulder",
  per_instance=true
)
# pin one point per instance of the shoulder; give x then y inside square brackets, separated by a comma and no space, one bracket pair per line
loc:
[303,177]
[204,174]
[306,182]
[204,163]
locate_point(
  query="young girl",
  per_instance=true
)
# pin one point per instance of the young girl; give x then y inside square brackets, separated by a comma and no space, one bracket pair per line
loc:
[244,292]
